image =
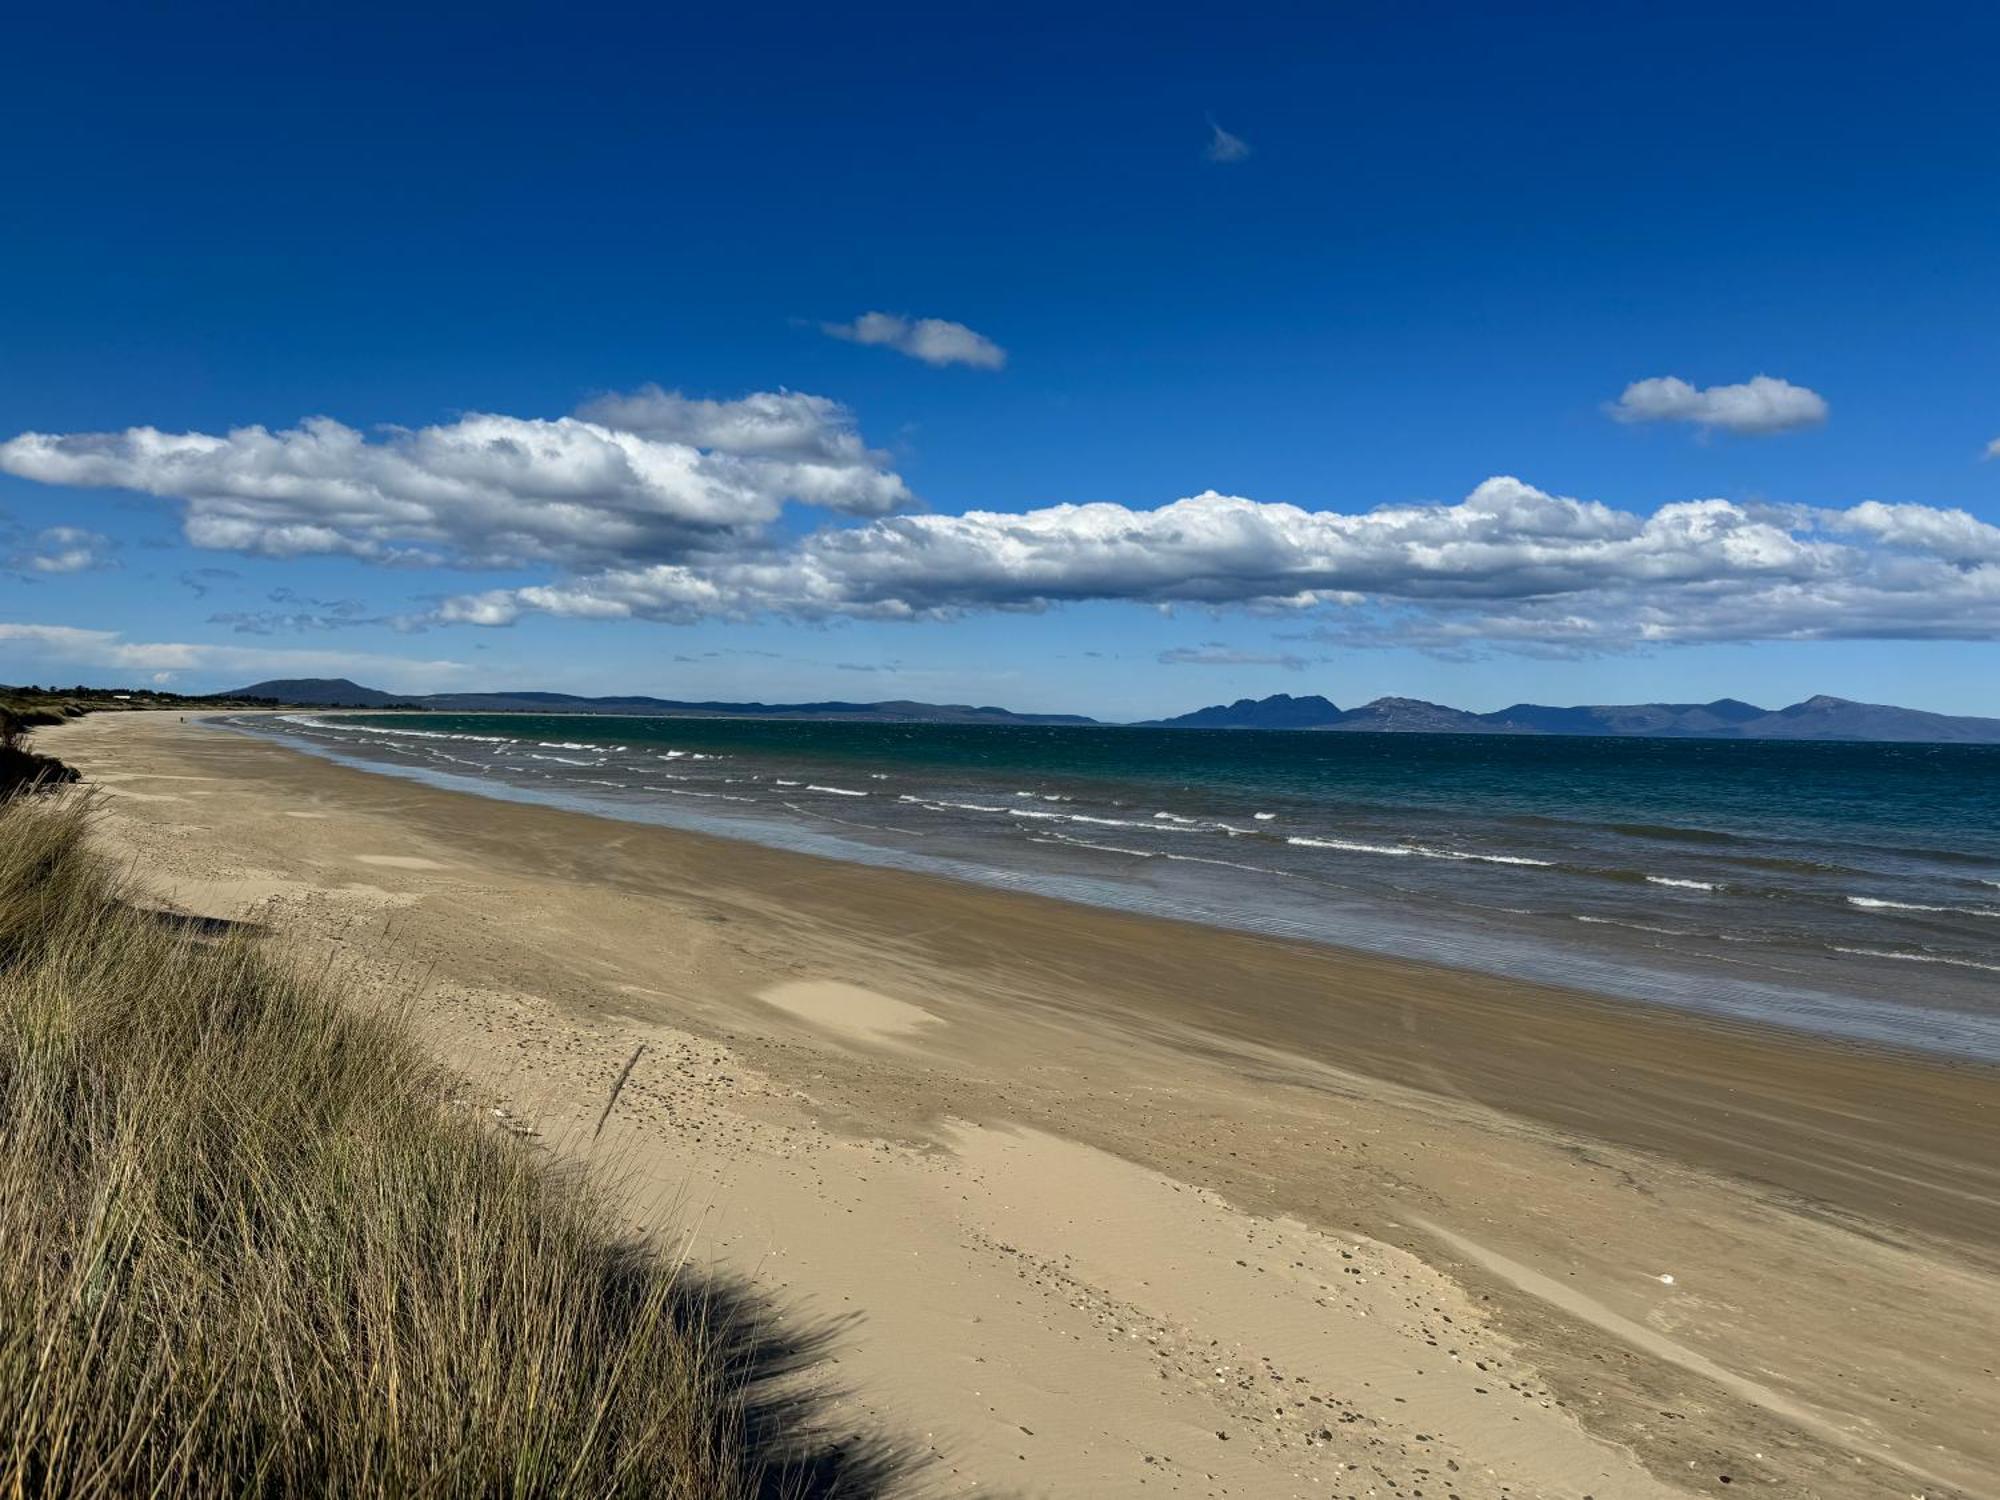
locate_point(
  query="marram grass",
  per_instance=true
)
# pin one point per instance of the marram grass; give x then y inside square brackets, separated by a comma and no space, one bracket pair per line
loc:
[248,1248]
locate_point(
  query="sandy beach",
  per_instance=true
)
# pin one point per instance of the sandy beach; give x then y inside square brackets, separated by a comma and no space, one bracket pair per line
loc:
[1083,1203]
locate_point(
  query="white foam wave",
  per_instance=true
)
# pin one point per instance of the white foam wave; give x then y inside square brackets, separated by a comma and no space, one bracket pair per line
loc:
[1029,812]
[1484,859]
[1230,864]
[1130,823]
[1060,838]
[1351,846]
[458,760]
[1167,817]
[827,817]
[1678,884]
[1918,958]
[1263,817]
[563,760]
[1636,926]
[305,721]
[833,791]
[1872,903]
[1347,846]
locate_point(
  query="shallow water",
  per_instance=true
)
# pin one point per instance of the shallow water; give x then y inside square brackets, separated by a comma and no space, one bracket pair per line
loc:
[1848,889]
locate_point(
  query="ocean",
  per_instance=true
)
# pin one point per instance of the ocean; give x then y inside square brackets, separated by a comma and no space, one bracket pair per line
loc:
[1851,890]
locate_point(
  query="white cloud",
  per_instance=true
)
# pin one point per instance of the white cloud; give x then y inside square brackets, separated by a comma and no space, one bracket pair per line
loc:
[1510,566]
[935,341]
[1993,449]
[1954,536]
[1760,406]
[1222,146]
[656,506]
[64,549]
[651,475]
[1228,656]
[70,645]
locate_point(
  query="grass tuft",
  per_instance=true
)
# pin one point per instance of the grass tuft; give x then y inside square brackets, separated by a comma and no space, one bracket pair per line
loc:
[248,1247]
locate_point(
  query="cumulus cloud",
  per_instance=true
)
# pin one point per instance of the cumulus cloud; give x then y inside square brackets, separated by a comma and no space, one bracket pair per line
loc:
[1224,148]
[1956,536]
[1510,566]
[1758,407]
[1507,539]
[72,645]
[650,475]
[63,549]
[935,341]
[1993,449]
[651,505]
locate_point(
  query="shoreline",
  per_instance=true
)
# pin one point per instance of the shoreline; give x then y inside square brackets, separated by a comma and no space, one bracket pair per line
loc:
[1636,971]
[1340,1093]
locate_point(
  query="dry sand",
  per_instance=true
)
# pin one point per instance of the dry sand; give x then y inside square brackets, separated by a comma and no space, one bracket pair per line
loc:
[1081,1203]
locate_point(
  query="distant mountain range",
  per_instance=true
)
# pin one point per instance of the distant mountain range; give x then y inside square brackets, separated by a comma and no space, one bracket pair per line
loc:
[338,692]
[1819,718]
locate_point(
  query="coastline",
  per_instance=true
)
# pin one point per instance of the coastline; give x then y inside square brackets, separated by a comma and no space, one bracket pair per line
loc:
[1829,1212]
[1590,910]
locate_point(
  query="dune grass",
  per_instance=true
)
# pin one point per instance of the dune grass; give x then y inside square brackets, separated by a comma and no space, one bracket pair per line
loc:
[20,767]
[248,1246]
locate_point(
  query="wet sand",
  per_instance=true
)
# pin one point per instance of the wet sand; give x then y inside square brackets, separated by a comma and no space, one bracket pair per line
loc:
[1091,1203]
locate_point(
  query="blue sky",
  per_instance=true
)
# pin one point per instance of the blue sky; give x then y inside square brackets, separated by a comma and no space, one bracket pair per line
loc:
[1447,240]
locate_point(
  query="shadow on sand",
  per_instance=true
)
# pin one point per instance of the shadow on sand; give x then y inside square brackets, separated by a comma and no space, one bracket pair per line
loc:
[187,924]
[775,1363]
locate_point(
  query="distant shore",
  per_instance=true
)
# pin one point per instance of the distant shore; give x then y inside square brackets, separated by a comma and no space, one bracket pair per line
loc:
[923,1102]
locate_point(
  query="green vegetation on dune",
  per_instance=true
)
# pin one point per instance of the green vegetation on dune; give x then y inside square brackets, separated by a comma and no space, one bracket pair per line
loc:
[250,1245]
[21,768]
[71,701]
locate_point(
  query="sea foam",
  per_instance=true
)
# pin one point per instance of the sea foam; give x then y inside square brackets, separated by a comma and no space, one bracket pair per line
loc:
[1918,958]
[1872,903]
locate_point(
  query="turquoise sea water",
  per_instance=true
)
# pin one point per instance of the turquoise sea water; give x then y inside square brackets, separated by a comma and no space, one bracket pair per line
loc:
[1850,889]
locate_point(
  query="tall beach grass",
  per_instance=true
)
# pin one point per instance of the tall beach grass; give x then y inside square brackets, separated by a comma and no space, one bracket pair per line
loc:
[20,767]
[249,1247]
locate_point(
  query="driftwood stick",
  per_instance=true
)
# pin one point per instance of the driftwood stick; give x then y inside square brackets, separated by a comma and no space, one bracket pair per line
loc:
[616,1088]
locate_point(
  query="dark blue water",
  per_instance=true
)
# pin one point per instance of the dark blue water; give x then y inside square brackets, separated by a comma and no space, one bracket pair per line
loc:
[1853,889]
